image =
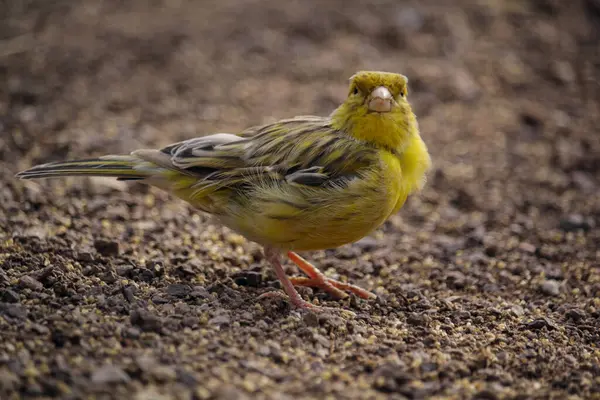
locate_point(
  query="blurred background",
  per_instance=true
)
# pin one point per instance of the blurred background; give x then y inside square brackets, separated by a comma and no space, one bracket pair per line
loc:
[507,93]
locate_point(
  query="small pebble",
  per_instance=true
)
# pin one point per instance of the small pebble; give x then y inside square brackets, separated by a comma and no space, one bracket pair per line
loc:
[106,248]
[30,283]
[154,369]
[129,293]
[575,222]
[550,287]
[9,296]
[109,374]
[223,319]
[146,321]
[527,247]
[575,314]
[13,310]
[540,323]
[179,290]
[199,292]
[8,380]
[248,278]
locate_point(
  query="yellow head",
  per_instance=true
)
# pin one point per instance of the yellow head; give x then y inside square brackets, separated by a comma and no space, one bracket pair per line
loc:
[377,110]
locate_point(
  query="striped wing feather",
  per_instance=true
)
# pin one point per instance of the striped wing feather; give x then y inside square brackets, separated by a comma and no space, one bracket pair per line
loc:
[300,151]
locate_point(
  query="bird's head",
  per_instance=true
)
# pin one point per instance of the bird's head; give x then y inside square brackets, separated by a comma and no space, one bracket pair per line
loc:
[377,110]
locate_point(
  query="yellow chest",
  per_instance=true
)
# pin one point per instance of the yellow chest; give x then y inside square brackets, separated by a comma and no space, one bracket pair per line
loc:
[329,219]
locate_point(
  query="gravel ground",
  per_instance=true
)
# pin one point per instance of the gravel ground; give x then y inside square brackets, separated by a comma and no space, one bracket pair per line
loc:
[488,282]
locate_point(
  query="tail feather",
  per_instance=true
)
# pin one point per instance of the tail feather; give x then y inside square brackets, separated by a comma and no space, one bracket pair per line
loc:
[121,167]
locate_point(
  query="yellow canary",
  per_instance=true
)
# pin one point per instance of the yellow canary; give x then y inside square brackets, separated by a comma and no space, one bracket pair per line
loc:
[299,184]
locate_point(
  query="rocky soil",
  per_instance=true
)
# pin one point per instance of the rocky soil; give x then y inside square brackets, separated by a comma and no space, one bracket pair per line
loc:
[488,281]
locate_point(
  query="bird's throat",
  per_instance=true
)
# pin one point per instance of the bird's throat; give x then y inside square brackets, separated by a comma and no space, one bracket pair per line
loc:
[392,131]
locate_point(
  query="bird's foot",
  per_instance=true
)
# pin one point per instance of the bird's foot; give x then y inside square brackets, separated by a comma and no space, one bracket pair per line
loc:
[317,279]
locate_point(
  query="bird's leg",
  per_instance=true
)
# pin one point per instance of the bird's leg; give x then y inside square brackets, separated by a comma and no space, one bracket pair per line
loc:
[273,256]
[317,279]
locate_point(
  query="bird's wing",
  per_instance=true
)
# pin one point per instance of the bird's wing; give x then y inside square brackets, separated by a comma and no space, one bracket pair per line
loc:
[303,151]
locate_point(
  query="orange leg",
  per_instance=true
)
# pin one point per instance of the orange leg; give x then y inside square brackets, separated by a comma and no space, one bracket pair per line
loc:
[274,258]
[317,279]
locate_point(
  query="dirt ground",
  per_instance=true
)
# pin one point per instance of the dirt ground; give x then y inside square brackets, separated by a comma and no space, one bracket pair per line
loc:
[488,282]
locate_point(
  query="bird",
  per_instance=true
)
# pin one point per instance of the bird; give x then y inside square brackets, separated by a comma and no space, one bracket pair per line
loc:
[299,184]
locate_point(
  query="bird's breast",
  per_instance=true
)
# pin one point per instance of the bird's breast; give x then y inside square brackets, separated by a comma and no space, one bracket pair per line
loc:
[324,218]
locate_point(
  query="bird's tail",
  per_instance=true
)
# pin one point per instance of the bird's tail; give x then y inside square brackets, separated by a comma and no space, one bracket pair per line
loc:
[122,167]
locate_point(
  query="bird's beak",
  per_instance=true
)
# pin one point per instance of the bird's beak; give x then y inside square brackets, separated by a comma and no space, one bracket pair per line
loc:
[380,100]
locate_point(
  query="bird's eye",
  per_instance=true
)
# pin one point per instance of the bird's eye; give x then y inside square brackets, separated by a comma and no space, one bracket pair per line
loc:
[402,93]
[355,90]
